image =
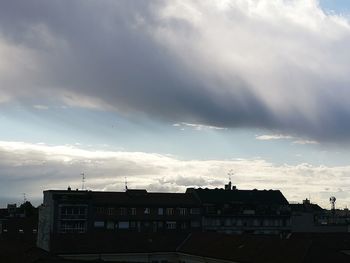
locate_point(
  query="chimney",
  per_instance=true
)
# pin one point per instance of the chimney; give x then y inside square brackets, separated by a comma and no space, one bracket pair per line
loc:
[228,186]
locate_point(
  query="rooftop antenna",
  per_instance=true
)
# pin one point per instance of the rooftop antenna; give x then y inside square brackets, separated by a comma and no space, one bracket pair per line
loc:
[83,181]
[229,185]
[230,173]
[332,200]
[126,184]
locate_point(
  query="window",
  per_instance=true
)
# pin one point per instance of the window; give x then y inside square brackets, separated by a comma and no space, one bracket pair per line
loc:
[100,210]
[248,212]
[183,211]
[211,210]
[133,211]
[170,211]
[256,222]
[99,224]
[183,225]
[72,227]
[110,211]
[81,210]
[110,225]
[123,224]
[34,231]
[72,212]
[266,222]
[122,211]
[195,211]
[195,224]
[171,225]
[228,222]
[160,211]
[133,224]
[147,211]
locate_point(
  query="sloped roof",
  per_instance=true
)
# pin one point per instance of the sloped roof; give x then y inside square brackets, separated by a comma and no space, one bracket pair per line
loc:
[263,197]
[125,198]
[306,208]
[132,197]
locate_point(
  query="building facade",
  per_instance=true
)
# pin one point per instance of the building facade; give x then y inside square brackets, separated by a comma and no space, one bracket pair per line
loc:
[77,213]
[86,212]
[308,217]
[235,211]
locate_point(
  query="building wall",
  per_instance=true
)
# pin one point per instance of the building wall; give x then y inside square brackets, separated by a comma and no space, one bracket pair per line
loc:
[145,219]
[250,224]
[45,222]
[304,222]
[89,212]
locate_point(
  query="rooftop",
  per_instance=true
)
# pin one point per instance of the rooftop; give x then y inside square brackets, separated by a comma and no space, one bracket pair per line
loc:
[129,197]
[261,197]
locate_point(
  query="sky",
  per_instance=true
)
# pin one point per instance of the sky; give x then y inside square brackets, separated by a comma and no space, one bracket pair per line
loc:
[173,94]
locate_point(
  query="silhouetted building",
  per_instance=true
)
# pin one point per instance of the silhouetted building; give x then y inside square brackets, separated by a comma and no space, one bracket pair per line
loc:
[81,212]
[19,222]
[67,213]
[311,218]
[243,211]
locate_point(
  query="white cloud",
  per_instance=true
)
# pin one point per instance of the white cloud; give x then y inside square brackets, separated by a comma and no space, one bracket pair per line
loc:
[296,140]
[300,141]
[197,127]
[40,107]
[72,99]
[268,137]
[31,168]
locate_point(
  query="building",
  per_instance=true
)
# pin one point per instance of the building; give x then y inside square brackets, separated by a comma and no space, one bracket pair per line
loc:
[243,211]
[87,212]
[67,213]
[19,222]
[311,218]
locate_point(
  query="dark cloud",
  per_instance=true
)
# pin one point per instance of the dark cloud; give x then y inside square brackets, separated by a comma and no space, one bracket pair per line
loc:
[197,64]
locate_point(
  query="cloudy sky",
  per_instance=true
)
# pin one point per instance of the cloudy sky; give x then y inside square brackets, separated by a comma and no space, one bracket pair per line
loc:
[175,94]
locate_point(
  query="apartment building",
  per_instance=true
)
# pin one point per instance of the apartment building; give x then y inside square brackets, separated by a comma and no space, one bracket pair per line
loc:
[235,211]
[82,212]
[69,214]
